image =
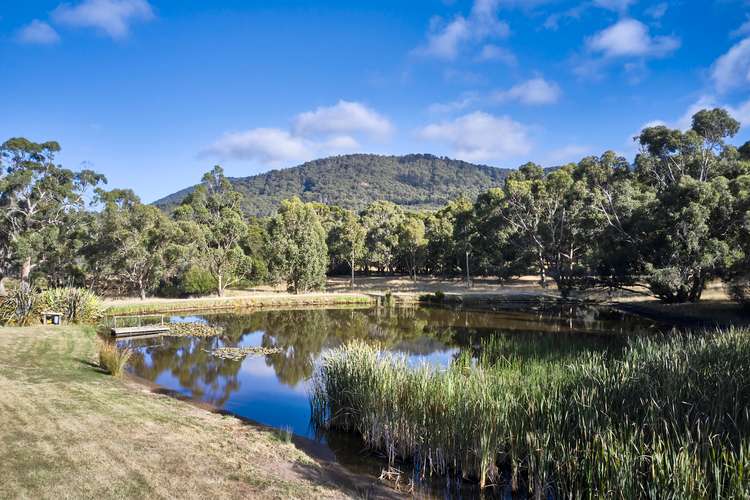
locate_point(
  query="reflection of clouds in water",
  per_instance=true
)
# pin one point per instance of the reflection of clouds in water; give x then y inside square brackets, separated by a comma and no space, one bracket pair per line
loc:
[188,319]
[256,367]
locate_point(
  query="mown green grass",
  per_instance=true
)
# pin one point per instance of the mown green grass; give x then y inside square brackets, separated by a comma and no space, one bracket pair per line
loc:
[69,430]
[665,418]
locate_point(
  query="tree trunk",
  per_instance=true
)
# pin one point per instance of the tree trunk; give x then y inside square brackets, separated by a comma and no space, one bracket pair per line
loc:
[143,294]
[220,286]
[351,282]
[3,292]
[26,270]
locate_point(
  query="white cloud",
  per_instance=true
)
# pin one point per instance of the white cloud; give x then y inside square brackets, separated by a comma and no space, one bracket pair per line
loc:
[631,38]
[321,132]
[266,145]
[743,30]
[444,40]
[345,117]
[492,52]
[534,91]
[459,104]
[112,17]
[732,69]
[480,136]
[38,32]
[567,154]
[616,5]
[657,11]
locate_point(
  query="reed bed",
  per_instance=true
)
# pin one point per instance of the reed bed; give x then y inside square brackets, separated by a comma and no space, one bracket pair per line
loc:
[112,358]
[664,418]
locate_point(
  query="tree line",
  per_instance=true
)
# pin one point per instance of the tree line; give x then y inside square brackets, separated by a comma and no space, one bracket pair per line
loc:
[674,219]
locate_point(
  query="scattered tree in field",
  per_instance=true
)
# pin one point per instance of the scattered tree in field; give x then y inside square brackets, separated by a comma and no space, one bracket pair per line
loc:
[412,242]
[297,244]
[346,239]
[381,220]
[682,243]
[219,228]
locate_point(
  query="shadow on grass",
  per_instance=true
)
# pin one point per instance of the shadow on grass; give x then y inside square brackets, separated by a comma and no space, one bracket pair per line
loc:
[91,365]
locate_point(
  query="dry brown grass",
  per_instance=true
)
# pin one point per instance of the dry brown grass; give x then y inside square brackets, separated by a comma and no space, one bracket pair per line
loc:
[70,431]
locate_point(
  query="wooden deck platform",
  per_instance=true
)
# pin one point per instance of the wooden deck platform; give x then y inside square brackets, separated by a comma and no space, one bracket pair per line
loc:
[137,331]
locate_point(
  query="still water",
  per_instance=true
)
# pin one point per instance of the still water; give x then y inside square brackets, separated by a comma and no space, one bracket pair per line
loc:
[272,389]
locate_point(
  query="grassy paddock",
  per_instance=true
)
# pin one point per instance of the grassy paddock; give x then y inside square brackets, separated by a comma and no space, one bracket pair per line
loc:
[229,303]
[71,431]
[668,418]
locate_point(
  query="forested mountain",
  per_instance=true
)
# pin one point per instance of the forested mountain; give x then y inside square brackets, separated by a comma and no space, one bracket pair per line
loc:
[353,181]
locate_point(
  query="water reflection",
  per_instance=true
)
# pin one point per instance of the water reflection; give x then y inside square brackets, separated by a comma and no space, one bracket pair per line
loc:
[272,389]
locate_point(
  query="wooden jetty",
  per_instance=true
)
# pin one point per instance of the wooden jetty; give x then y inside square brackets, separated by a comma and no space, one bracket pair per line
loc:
[138,331]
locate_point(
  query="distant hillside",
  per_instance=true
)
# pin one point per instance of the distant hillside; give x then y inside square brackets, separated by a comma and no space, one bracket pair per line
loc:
[353,181]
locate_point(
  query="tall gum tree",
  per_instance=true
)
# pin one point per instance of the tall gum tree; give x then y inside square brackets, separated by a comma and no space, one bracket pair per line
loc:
[213,212]
[36,195]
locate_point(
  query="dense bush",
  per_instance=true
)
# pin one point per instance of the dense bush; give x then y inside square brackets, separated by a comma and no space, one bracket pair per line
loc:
[198,281]
[20,307]
[739,289]
[76,304]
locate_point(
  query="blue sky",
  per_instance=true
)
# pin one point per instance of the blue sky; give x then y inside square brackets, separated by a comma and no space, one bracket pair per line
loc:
[152,93]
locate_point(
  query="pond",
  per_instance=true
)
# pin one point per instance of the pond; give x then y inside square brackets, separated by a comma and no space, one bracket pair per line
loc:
[273,389]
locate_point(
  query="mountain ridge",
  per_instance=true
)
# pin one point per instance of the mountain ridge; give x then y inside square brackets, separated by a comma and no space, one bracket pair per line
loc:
[417,181]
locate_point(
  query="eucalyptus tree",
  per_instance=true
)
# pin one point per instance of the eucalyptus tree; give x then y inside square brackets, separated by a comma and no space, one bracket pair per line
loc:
[440,252]
[36,197]
[297,246]
[381,220]
[682,238]
[136,244]
[412,242]
[212,213]
[551,219]
[346,239]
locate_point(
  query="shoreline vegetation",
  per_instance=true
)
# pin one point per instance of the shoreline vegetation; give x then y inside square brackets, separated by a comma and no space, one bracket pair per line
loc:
[667,419]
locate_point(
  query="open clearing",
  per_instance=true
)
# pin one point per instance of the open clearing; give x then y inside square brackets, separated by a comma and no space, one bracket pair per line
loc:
[70,431]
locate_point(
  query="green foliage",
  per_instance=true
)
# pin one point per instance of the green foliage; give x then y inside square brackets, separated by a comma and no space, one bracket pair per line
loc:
[20,307]
[298,246]
[198,281]
[355,181]
[36,198]
[211,215]
[135,246]
[666,420]
[76,304]
[381,221]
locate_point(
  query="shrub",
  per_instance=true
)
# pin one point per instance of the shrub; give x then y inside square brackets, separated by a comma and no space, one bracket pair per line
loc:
[76,304]
[739,289]
[113,359]
[198,281]
[20,307]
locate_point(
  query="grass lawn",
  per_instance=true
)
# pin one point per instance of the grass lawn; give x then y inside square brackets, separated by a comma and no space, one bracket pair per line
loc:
[69,431]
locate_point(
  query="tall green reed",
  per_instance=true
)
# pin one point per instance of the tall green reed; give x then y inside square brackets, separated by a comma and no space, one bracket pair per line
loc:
[666,418]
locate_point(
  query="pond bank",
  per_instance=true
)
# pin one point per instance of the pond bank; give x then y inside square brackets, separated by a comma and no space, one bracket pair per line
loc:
[246,301]
[71,430]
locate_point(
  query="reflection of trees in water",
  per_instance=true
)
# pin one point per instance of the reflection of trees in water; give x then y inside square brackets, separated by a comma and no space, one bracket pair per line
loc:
[548,332]
[208,377]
